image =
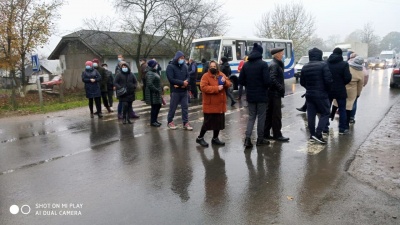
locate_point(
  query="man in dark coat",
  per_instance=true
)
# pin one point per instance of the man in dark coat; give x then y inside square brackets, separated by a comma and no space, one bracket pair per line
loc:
[103,83]
[193,77]
[226,69]
[110,86]
[341,76]
[275,94]
[178,77]
[143,71]
[255,77]
[317,79]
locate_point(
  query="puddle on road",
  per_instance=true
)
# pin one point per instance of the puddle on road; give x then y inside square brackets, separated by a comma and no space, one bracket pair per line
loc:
[312,148]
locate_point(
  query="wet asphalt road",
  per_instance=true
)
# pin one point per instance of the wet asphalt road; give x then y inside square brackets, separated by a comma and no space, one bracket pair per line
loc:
[109,173]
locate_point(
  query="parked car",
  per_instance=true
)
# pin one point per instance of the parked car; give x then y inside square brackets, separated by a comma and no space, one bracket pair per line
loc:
[297,69]
[395,77]
[50,84]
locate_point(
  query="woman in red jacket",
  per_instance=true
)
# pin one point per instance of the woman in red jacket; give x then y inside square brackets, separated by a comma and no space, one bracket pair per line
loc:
[213,85]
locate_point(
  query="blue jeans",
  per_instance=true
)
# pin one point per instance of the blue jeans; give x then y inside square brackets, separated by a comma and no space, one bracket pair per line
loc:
[354,110]
[176,99]
[314,106]
[256,111]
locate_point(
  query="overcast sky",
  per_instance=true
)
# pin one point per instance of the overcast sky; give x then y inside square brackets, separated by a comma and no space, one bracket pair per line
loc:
[338,17]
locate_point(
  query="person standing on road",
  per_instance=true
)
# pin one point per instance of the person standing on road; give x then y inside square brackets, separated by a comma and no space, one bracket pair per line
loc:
[275,94]
[110,86]
[226,69]
[178,77]
[214,85]
[103,83]
[118,66]
[317,80]
[143,71]
[193,77]
[154,92]
[126,79]
[341,76]
[92,78]
[240,92]
[255,77]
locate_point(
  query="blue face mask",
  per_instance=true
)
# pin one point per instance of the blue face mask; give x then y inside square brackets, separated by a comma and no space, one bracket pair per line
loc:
[119,59]
[124,69]
[95,65]
[181,61]
[88,67]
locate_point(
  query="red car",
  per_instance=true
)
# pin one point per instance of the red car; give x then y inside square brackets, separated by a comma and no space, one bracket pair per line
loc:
[50,84]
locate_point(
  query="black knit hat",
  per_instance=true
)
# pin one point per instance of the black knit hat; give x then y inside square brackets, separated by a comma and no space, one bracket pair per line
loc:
[338,51]
[257,48]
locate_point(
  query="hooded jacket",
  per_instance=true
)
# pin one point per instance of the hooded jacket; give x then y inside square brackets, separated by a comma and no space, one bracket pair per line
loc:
[92,88]
[255,77]
[177,73]
[315,76]
[340,75]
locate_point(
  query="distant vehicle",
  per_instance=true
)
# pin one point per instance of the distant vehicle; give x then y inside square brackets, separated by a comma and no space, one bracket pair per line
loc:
[395,77]
[50,84]
[389,57]
[360,48]
[235,48]
[299,66]
[372,63]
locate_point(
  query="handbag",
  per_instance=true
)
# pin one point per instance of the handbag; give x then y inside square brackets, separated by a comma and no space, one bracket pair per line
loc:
[120,91]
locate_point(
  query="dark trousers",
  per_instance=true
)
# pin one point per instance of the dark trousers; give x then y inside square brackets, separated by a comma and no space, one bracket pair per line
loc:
[119,110]
[274,117]
[144,87]
[110,95]
[97,101]
[126,107]
[155,109]
[193,87]
[314,106]
[343,120]
[104,96]
[229,95]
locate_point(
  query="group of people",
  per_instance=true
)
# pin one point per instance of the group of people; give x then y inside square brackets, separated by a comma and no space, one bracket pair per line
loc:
[334,82]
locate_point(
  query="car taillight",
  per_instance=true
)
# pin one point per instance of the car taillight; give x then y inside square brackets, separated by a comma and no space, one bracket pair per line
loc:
[396,71]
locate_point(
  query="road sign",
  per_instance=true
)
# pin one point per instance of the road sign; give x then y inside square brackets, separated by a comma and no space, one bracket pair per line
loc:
[35,63]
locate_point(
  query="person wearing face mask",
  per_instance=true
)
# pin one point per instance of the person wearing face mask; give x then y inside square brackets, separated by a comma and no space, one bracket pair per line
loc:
[178,77]
[126,79]
[255,77]
[213,85]
[275,94]
[154,92]
[103,83]
[92,78]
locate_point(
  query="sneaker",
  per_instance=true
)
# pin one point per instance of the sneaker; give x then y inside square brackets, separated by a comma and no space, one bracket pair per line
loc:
[187,127]
[233,103]
[352,121]
[171,126]
[318,139]
[202,142]
[344,132]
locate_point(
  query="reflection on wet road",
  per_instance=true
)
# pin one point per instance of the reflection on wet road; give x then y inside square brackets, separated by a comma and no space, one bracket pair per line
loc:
[137,174]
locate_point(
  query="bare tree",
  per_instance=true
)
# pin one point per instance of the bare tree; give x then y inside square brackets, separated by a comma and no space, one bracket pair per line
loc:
[368,36]
[140,17]
[104,23]
[194,19]
[355,36]
[332,41]
[391,41]
[288,21]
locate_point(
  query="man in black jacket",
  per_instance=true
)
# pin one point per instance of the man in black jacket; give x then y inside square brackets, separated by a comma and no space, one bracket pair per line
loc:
[317,80]
[341,76]
[193,77]
[255,77]
[275,94]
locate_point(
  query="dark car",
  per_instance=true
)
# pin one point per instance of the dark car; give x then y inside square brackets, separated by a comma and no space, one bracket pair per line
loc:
[50,84]
[395,77]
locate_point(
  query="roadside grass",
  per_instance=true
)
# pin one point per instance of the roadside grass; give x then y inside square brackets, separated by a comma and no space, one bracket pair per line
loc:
[30,104]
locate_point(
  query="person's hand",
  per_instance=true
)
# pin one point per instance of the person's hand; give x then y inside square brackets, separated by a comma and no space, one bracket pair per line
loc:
[220,87]
[176,86]
[185,83]
[92,80]
[114,88]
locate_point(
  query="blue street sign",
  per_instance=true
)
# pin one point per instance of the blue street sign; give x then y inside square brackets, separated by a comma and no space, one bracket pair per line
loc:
[35,63]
